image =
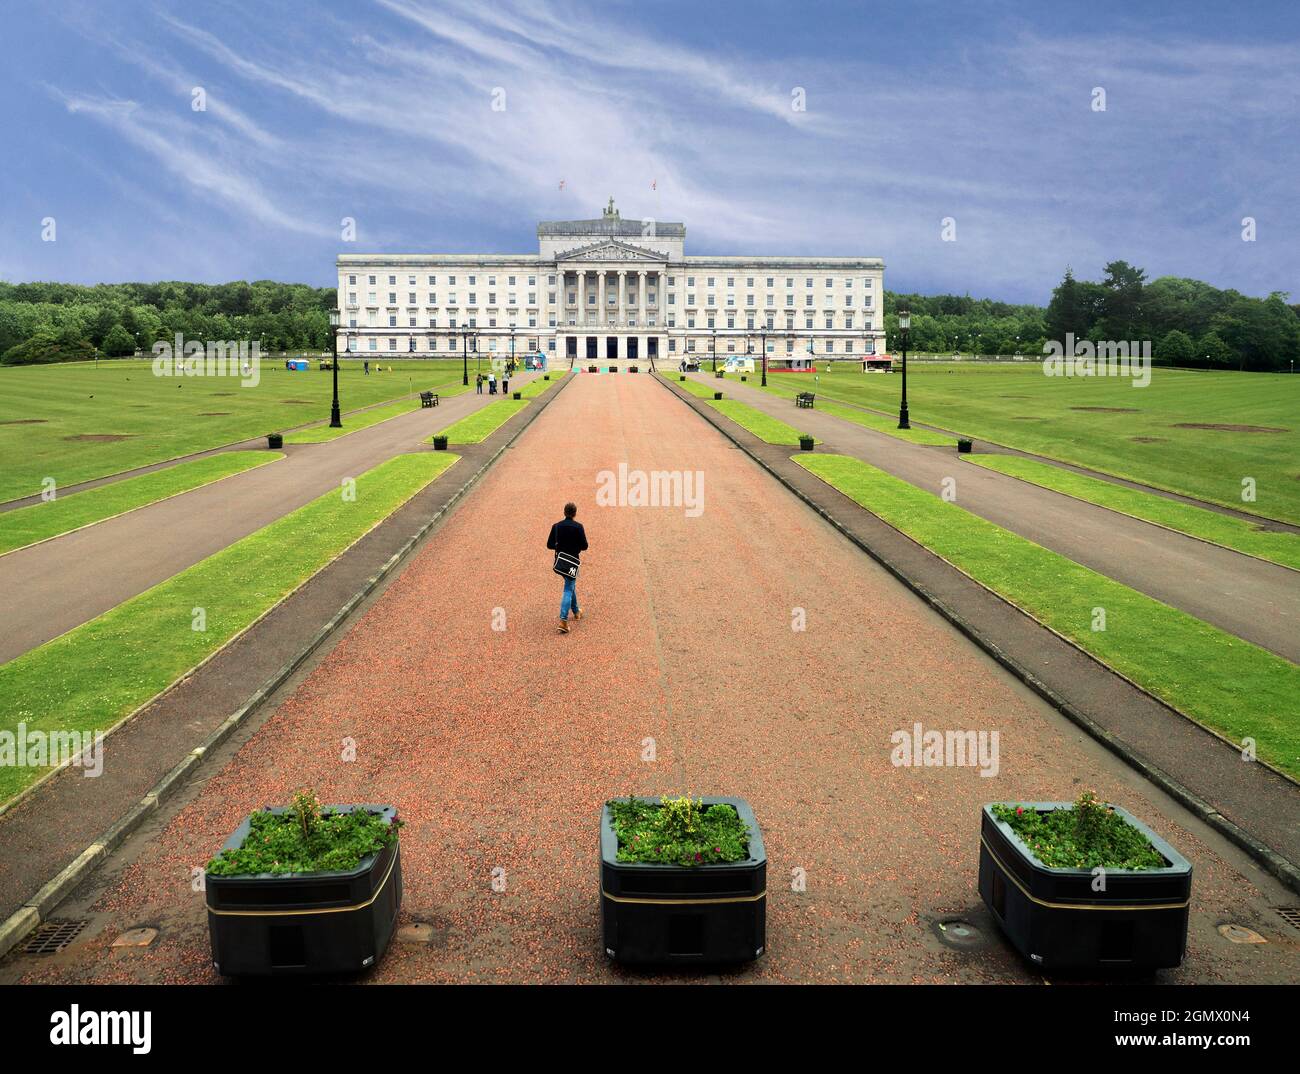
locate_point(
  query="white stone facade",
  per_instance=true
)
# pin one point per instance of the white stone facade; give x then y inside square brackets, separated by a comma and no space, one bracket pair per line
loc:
[610,288]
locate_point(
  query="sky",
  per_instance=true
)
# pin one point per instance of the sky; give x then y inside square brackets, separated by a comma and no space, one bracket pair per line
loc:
[962,143]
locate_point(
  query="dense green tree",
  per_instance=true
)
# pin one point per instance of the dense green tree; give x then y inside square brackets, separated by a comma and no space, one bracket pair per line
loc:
[118,342]
[1175,348]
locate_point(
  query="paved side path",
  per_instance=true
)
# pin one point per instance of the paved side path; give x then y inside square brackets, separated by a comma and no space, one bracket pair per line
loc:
[499,746]
[52,587]
[1253,599]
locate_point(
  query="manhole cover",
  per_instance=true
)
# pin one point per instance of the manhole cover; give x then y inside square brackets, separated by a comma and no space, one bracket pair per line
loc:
[1240,934]
[53,936]
[1291,915]
[958,933]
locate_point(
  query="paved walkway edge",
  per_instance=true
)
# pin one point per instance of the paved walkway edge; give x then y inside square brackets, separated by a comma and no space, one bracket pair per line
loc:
[1275,863]
[41,905]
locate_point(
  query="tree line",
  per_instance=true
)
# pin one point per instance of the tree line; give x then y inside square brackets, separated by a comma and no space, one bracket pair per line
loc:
[68,322]
[1188,322]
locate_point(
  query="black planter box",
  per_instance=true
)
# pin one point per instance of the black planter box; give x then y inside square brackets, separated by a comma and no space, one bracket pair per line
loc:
[1056,920]
[682,379]
[632,369]
[439,443]
[593,369]
[806,443]
[546,376]
[516,395]
[963,447]
[296,923]
[274,440]
[718,374]
[717,395]
[680,915]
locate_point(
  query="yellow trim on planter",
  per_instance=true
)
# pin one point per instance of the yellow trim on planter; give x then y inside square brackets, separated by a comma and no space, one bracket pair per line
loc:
[685,902]
[1074,905]
[325,910]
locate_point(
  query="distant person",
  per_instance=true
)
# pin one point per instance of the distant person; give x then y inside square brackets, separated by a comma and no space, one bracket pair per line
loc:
[478,383]
[492,384]
[505,383]
[366,366]
[568,537]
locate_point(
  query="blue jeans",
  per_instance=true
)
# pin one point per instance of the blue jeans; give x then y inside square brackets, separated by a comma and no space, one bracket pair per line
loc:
[570,598]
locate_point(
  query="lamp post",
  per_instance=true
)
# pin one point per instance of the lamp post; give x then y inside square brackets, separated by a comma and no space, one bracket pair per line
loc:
[762,335]
[464,350]
[904,324]
[713,347]
[512,347]
[336,419]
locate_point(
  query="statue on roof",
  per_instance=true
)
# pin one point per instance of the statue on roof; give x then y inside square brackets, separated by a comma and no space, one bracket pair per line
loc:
[610,212]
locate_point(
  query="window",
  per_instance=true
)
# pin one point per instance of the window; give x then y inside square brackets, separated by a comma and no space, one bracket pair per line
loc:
[352,281]
[410,322]
[410,298]
[392,344]
[510,281]
[848,320]
[848,301]
[392,281]
[789,281]
[392,298]
[771,281]
[432,299]
[830,282]
[848,282]
[830,324]
[352,343]
[432,281]
[808,300]
[710,281]
[789,300]
[410,344]
[371,280]
[374,343]
[451,298]
[807,282]
[392,320]
[749,282]
[771,300]
[750,323]
[433,322]
[731,322]
[731,281]
[471,281]
[492,298]
[550,281]
[690,281]
[352,298]
[451,280]
[473,298]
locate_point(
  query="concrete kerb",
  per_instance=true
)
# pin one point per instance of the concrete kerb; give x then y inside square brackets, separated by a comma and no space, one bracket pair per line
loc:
[1266,856]
[41,905]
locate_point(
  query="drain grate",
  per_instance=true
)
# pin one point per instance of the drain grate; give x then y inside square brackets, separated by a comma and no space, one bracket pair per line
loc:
[1291,915]
[53,936]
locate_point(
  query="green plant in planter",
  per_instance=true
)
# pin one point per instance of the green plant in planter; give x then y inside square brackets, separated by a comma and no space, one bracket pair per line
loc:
[306,839]
[1088,836]
[678,831]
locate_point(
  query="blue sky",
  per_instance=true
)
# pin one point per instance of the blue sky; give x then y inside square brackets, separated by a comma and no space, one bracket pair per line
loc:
[382,111]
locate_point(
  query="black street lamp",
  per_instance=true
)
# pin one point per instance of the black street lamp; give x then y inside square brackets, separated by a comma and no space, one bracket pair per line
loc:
[762,335]
[464,350]
[904,324]
[713,348]
[512,347]
[336,419]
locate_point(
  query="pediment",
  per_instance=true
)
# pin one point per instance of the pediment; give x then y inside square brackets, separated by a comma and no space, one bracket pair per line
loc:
[607,250]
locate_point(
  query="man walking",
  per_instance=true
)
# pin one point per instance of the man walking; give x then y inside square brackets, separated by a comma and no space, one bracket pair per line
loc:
[568,537]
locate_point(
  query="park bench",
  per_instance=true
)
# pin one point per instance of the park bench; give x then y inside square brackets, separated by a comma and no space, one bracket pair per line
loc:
[805,399]
[428,399]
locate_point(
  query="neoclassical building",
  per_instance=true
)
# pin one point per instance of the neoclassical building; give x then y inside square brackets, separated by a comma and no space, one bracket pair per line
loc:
[610,288]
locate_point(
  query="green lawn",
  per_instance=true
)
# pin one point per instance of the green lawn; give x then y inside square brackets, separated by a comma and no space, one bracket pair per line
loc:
[1229,685]
[321,434]
[1244,536]
[767,429]
[44,409]
[1017,405]
[477,427]
[95,675]
[27,525]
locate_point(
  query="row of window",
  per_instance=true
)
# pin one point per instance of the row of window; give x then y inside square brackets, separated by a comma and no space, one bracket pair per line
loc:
[710,323]
[710,281]
[455,344]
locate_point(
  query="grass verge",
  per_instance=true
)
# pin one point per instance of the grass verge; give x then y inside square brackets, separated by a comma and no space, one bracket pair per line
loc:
[1229,685]
[881,423]
[97,674]
[1234,533]
[477,427]
[768,429]
[40,522]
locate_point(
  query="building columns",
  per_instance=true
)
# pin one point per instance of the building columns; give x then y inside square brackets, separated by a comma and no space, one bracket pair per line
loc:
[622,296]
[642,315]
[600,298]
[580,317]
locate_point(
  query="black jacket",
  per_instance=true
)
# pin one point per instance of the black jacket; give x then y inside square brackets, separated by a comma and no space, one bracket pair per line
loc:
[568,537]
